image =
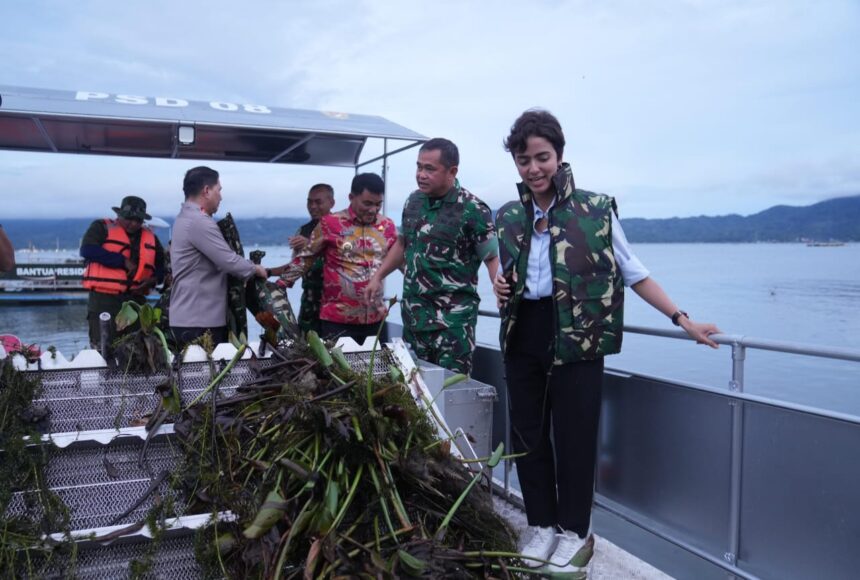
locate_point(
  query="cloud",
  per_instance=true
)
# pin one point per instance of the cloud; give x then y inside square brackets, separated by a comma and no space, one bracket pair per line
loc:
[674,107]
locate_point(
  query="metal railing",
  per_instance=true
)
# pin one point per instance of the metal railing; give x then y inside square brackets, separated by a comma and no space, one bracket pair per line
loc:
[739,345]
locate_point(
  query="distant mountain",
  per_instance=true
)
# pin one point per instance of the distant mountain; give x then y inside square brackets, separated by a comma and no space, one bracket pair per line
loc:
[268,231]
[834,219]
[67,233]
[830,220]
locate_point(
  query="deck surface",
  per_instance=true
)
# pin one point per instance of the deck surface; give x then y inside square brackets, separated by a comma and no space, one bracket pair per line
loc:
[609,561]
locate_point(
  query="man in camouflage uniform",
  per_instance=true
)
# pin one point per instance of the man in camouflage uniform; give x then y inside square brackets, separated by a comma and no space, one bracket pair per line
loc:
[320,203]
[446,233]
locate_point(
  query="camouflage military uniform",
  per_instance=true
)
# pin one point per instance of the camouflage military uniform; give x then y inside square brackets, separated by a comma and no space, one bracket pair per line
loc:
[588,290]
[312,288]
[237,319]
[445,241]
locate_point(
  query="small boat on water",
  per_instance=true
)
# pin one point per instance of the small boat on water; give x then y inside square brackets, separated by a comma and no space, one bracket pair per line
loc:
[46,283]
[43,282]
[50,276]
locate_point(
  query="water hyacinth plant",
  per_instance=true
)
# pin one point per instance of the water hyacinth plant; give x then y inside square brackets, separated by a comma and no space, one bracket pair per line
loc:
[22,468]
[309,469]
[330,474]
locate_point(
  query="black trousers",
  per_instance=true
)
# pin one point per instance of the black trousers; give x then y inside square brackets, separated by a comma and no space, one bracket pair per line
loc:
[182,335]
[357,332]
[556,474]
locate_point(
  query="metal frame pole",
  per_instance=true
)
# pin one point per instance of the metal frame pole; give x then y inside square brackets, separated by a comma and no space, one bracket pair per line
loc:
[384,161]
[104,332]
[508,461]
[736,470]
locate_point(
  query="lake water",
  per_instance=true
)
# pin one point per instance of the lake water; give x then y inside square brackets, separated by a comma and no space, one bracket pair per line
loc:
[785,292]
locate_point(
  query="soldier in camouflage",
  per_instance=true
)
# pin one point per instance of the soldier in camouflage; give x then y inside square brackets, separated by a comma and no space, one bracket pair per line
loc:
[446,233]
[320,203]
[566,262]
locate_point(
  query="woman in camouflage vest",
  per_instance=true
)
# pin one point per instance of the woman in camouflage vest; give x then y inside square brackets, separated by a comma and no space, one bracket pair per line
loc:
[561,294]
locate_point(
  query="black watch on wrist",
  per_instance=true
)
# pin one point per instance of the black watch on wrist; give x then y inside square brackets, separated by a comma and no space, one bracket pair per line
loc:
[678,314]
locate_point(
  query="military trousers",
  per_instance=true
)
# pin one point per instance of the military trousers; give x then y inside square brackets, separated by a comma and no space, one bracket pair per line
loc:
[554,413]
[450,348]
[309,314]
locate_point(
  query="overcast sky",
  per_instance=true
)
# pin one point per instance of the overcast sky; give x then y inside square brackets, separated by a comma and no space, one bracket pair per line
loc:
[677,108]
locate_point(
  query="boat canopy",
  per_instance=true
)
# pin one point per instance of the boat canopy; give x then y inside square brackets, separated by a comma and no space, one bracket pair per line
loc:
[169,127]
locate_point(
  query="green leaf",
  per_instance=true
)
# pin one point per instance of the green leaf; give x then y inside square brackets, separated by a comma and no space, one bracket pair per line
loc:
[339,358]
[147,318]
[493,461]
[319,349]
[412,565]
[231,338]
[173,402]
[454,379]
[583,556]
[225,542]
[126,316]
[270,512]
[331,497]
[395,374]
[496,456]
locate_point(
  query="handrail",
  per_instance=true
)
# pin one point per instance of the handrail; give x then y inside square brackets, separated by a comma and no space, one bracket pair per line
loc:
[831,352]
[738,343]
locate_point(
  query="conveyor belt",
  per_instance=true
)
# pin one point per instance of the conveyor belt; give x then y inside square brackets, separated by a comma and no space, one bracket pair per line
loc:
[96,416]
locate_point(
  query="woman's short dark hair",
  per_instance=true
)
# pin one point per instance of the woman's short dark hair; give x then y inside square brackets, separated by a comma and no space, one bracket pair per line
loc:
[198,178]
[535,123]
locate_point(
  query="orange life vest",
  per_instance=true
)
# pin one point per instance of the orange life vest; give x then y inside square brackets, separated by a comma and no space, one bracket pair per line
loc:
[101,278]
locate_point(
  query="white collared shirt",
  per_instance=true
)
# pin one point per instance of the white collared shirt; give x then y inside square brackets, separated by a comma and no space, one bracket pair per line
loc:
[539,272]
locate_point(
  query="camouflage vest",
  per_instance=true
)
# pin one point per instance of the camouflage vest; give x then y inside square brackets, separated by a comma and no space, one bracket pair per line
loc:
[588,290]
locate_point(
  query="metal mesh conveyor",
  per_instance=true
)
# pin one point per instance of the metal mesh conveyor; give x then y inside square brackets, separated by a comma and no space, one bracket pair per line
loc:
[93,439]
[382,361]
[100,482]
[90,399]
[174,561]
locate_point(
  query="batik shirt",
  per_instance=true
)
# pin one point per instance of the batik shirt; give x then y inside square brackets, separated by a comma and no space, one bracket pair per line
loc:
[352,252]
[445,240]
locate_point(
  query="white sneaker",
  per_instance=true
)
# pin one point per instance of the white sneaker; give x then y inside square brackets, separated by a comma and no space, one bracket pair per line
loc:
[540,546]
[572,554]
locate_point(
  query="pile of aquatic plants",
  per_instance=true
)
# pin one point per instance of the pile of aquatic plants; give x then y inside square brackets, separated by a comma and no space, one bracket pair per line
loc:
[330,473]
[144,349]
[23,548]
